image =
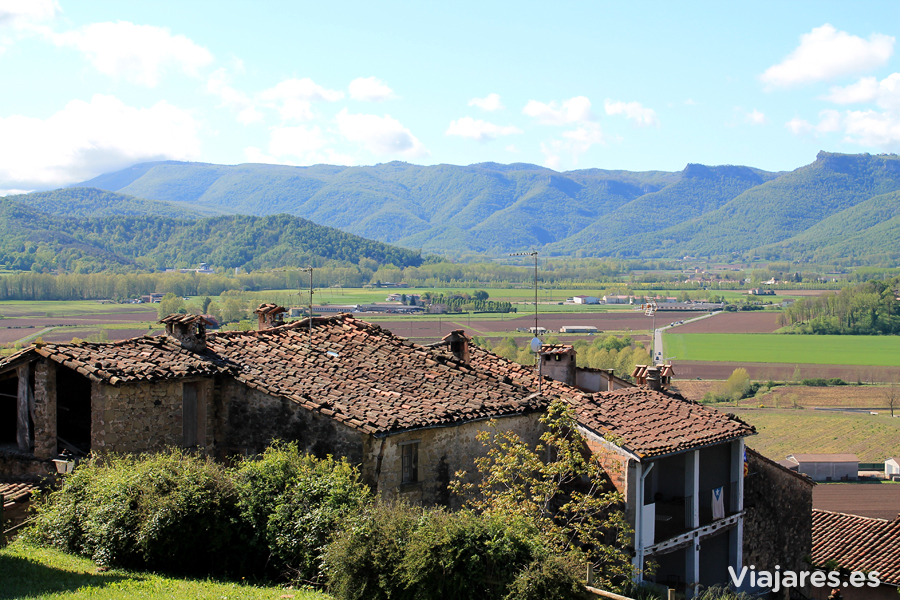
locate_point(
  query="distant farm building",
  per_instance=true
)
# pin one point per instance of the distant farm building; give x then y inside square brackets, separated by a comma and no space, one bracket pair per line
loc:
[761,292]
[826,467]
[585,299]
[578,329]
[891,468]
[617,299]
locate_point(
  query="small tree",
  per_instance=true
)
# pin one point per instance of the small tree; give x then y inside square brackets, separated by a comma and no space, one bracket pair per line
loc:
[563,497]
[892,396]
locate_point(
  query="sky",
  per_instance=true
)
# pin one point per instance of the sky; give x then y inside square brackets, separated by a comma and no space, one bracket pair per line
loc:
[91,87]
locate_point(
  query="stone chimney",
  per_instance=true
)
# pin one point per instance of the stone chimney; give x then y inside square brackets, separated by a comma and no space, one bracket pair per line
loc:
[558,362]
[653,379]
[270,315]
[459,344]
[189,330]
[610,383]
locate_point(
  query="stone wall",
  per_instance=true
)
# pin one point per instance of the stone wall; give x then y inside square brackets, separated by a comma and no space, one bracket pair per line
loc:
[442,451]
[17,466]
[249,420]
[144,417]
[45,409]
[777,516]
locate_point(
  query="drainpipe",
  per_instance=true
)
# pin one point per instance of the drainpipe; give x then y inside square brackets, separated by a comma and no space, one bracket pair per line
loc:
[639,524]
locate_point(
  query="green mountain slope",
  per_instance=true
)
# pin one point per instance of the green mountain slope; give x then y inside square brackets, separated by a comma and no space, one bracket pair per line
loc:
[92,202]
[31,239]
[786,206]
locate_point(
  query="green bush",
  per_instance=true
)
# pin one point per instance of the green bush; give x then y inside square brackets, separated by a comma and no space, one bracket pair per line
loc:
[293,503]
[554,578]
[365,557]
[174,512]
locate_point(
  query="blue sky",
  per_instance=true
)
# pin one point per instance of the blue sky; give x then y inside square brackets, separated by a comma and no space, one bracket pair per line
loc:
[92,87]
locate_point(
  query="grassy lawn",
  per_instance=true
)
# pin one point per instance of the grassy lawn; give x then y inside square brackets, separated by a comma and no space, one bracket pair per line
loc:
[33,572]
[774,348]
[873,438]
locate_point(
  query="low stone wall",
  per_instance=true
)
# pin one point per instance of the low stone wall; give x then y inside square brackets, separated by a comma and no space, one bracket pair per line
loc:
[19,466]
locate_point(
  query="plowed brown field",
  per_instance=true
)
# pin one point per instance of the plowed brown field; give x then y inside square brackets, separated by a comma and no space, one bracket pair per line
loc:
[739,322]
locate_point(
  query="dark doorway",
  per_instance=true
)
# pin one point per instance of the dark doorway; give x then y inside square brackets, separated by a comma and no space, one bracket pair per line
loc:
[73,410]
[9,386]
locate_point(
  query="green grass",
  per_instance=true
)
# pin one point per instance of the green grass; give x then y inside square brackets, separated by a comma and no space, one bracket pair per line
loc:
[774,348]
[873,438]
[40,573]
[64,308]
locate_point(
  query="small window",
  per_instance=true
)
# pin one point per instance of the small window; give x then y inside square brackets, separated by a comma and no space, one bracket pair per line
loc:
[189,415]
[410,455]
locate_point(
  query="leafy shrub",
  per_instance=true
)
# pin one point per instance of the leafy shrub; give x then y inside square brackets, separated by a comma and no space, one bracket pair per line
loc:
[365,556]
[293,503]
[554,578]
[173,512]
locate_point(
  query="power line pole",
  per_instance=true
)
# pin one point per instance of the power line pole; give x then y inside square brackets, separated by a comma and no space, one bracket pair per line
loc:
[535,342]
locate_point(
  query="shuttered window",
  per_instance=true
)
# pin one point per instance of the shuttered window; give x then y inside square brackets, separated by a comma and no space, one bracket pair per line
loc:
[410,456]
[190,414]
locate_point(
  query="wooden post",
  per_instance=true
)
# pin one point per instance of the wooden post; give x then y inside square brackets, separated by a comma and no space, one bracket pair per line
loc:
[24,434]
[590,574]
[671,594]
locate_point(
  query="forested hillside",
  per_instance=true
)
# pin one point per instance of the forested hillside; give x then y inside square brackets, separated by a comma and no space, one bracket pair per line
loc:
[33,240]
[840,208]
[92,202]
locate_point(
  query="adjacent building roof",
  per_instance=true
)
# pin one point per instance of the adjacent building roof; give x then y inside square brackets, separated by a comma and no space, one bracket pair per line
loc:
[644,422]
[874,500]
[858,543]
[824,458]
[366,377]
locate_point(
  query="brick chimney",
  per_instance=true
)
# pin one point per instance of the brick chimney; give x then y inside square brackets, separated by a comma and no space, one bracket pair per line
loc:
[653,379]
[270,315]
[459,344]
[189,330]
[558,362]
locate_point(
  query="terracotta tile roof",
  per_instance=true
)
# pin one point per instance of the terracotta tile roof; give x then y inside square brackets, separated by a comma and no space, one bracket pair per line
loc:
[186,319]
[651,424]
[127,361]
[366,377]
[647,423]
[857,543]
[16,492]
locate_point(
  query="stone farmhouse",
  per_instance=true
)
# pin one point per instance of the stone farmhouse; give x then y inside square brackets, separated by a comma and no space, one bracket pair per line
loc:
[407,414]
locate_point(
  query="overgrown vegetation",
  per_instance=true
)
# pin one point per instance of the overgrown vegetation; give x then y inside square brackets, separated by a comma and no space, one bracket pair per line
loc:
[312,521]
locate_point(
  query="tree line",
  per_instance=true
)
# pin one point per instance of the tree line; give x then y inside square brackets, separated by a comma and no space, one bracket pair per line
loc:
[869,308]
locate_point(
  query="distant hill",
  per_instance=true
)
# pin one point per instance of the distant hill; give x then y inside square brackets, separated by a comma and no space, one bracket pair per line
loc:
[32,239]
[839,204]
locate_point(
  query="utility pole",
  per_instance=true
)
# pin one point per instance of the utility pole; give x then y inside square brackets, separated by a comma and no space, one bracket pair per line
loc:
[535,342]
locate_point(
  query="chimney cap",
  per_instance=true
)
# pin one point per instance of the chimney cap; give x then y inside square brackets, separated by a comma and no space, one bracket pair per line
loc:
[188,319]
[270,309]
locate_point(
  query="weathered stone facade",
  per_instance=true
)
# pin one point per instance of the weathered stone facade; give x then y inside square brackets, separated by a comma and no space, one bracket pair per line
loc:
[249,420]
[777,516]
[442,451]
[146,417]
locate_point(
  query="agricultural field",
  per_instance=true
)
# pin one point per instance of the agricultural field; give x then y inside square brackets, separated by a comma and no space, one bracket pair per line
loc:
[44,574]
[873,438]
[732,322]
[774,348]
[788,396]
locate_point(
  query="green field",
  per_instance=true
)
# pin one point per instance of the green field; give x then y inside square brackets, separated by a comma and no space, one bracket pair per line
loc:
[40,573]
[873,438]
[775,348]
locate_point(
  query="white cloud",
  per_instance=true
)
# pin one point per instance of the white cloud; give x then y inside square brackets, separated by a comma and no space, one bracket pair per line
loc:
[370,89]
[86,139]
[23,13]
[829,122]
[826,53]
[755,117]
[489,103]
[236,100]
[383,136]
[298,146]
[573,110]
[478,130]
[633,111]
[872,128]
[140,53]
[255,155]
[690,102]
[884,93]
[513,148]
[294,97]
[574,143]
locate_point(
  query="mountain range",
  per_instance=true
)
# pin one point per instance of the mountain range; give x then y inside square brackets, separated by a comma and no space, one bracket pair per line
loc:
[840,206]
